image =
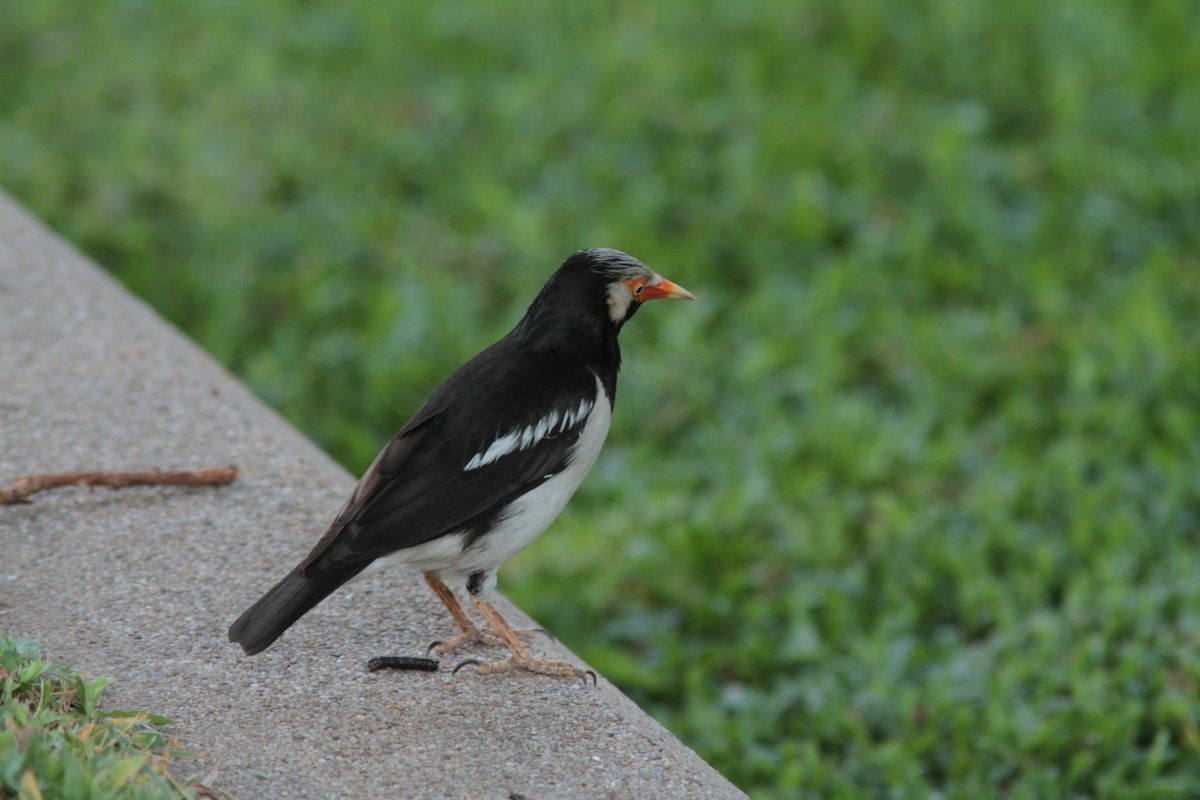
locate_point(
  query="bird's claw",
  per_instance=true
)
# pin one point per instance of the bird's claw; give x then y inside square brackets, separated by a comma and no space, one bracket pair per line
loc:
[560,668]
[432,645]
[466,662]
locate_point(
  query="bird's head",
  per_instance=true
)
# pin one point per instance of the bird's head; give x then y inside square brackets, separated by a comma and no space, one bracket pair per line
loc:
[599,289]
[629,282]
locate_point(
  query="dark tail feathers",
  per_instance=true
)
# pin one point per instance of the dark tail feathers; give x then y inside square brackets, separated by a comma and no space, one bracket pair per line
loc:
[287,601]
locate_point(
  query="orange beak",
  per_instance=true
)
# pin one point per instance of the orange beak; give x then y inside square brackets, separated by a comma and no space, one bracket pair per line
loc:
[665,290]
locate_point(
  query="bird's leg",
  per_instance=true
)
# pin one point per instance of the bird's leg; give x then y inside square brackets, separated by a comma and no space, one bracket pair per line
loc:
[470,632]
[519,658]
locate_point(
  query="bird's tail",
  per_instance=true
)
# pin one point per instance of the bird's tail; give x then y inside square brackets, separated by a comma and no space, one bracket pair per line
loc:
[287,601]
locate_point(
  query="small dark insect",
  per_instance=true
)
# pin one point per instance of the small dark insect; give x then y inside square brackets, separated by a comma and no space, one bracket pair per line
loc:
[403,662]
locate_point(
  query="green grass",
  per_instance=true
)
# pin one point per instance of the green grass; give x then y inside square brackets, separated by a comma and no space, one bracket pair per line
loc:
[56,745]
[906,504]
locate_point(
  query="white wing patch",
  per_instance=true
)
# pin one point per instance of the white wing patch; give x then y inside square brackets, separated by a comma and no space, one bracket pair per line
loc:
[524,438]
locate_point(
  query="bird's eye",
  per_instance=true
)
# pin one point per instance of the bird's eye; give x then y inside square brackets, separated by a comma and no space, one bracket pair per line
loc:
[638,289]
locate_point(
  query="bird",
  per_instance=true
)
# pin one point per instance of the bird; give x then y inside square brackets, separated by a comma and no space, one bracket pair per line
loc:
[485,465]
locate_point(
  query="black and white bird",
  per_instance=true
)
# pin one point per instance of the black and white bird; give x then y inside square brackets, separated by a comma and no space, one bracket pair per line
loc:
[486,464]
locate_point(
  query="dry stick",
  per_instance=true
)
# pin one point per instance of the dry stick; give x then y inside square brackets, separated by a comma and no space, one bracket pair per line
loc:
[20,489]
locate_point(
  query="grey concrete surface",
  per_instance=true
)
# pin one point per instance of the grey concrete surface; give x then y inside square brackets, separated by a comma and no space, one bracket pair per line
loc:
[141,584]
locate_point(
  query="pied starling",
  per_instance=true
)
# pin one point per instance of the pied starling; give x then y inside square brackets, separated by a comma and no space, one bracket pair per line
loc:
[487,462]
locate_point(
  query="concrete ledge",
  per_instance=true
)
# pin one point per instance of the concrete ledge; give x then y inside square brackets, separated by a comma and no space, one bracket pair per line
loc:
[141,584]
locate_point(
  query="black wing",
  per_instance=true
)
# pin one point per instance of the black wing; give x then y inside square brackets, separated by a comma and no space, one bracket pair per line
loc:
[420,486]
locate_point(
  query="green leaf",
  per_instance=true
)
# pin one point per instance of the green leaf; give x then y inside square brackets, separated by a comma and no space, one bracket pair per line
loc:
[121,772]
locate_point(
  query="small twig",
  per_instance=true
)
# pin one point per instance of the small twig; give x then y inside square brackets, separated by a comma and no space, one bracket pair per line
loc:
[205,790]
[19,490]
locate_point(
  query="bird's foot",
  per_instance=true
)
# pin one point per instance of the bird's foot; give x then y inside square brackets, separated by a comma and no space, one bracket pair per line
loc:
[519,657]
[524,661]
[477,636]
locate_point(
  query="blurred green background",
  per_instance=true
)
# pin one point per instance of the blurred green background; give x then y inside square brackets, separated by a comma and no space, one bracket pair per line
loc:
[907,504]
